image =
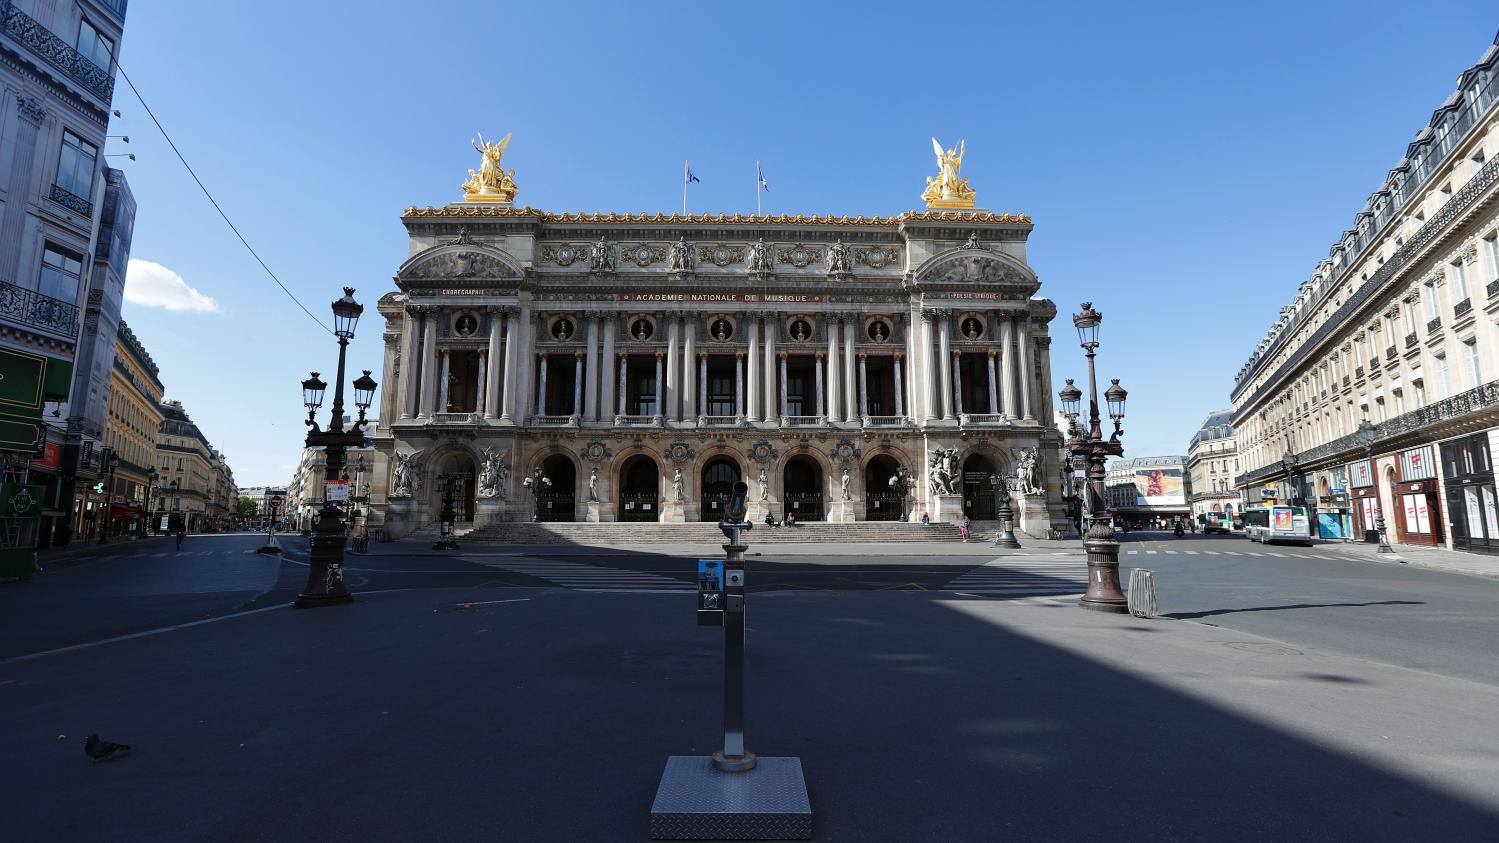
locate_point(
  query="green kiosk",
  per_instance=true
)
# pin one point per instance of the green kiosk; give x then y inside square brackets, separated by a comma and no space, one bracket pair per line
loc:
[27,382]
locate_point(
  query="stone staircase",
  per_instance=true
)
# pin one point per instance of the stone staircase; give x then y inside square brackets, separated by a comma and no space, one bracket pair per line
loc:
[627,533]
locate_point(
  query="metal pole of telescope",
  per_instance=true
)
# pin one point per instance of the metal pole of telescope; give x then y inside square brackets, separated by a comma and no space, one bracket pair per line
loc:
[734,758]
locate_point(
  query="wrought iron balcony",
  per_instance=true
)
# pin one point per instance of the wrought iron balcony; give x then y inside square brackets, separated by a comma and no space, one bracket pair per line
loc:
[1433,325]
[1493,288]
[55,51]
[72,201]
[30,308]
[1391,353]
[1410,340]
[1462,307]
[1347,380]
[1358,373]
[1373,364]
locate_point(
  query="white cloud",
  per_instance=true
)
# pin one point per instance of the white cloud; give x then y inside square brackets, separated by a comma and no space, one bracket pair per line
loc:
[150,284]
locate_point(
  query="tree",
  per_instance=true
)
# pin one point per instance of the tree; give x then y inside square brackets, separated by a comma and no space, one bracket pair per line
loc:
[245,509]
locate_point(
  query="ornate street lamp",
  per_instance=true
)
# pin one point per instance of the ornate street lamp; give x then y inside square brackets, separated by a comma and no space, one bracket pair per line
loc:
[325,581]
[446,540]
[900,483]
[1003,513]
[536,482]
[1104,592]
[1365,436]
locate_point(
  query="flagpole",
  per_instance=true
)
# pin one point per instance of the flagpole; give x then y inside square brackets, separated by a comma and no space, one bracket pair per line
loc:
[757,188]
[684,187]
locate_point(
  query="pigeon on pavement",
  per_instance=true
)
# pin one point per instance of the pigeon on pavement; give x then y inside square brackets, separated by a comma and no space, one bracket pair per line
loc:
[100,750]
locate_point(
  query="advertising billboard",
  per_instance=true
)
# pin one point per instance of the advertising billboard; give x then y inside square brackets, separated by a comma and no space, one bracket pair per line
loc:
[1159,487]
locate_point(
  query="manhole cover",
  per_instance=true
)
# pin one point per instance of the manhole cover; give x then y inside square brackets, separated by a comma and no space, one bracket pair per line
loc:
[1263,648]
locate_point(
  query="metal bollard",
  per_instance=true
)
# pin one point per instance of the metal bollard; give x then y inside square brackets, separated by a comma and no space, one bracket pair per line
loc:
[1142,593]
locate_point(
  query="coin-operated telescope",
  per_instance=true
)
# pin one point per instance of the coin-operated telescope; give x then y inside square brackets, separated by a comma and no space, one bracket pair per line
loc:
[734,512]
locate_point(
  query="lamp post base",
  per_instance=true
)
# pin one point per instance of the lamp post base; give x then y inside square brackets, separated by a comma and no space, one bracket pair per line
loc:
[312,601]
[1104,592]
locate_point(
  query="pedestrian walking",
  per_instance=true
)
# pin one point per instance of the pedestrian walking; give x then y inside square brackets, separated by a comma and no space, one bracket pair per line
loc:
[963,528]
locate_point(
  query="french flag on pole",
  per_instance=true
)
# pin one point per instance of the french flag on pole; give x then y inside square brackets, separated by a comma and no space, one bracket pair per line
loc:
[760,175]
[691,177]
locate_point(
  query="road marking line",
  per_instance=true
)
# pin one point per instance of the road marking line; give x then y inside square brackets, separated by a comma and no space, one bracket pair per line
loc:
[1281,555]
[1172,552]
[1150,552]
[1132,552]
[144,634]
[1211,552]
[492,602]
[1232,553]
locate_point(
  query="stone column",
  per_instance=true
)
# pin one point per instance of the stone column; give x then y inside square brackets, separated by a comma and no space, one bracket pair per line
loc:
[835,389]
[590,408]
[702,379]
[754,371]
[672,410]
[739,385]
[1048,411]
[1027,408]
[957,382]
[921,371]
[541,385]
[606,371]
[429,364]
[442,385]
[512,344]
[852,400]
[624,393]
[993,396]
[390,400]
[411,365]
[658,385]
[577,384]
[864,386]
[820,408]
[784,407]
[1007,364]
[900,409]
[770,392]
[483,381]
[492,397]
[689,377]
[944,337]
[525,361]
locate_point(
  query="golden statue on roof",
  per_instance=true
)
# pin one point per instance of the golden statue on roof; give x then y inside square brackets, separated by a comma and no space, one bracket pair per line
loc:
[948,189]
[491,183]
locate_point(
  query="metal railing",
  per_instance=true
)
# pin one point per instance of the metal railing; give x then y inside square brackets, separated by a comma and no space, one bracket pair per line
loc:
[55,51]
[1435,156]
[71,200]
[1391,353]
[1462,307]
[1439,222]
[1464,403]
[1434,325]
[30,308]
[1493,287]
[1410,340]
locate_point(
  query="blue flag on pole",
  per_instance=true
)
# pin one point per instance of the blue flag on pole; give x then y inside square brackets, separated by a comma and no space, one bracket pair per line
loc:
[691,177]
[760,174]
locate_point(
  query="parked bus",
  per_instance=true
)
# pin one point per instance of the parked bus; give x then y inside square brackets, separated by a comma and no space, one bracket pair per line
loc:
[1269,524]
[1217,522]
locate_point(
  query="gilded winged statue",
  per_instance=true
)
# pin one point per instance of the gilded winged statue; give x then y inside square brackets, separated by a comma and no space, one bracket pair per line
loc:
[490,183]
[948,189]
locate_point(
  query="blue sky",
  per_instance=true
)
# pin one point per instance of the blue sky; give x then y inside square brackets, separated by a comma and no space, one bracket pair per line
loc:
[1186,164]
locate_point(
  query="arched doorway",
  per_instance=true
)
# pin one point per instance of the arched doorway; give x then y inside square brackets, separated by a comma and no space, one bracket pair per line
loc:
[978,494]
[882,502]
[457,469]
[558,502]
[717,482]
[639,489]
[801,481]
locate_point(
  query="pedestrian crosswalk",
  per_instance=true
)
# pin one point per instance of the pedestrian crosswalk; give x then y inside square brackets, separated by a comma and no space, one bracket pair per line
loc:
[1235,553]
[1013,578]
[580,577]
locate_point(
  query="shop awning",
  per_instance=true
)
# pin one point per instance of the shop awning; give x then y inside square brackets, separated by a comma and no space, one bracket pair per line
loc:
[121,511]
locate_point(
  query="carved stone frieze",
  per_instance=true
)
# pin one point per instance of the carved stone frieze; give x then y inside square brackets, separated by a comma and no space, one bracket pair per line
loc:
[877,257]
[596,452]
[460,265]
[799,256]
[972,267]
[643,254]
[763,452]
[721,254]
[32,108]
[563,254]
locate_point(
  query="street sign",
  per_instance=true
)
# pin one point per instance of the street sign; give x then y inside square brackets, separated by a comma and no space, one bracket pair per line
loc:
[336,491]
[276,501]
